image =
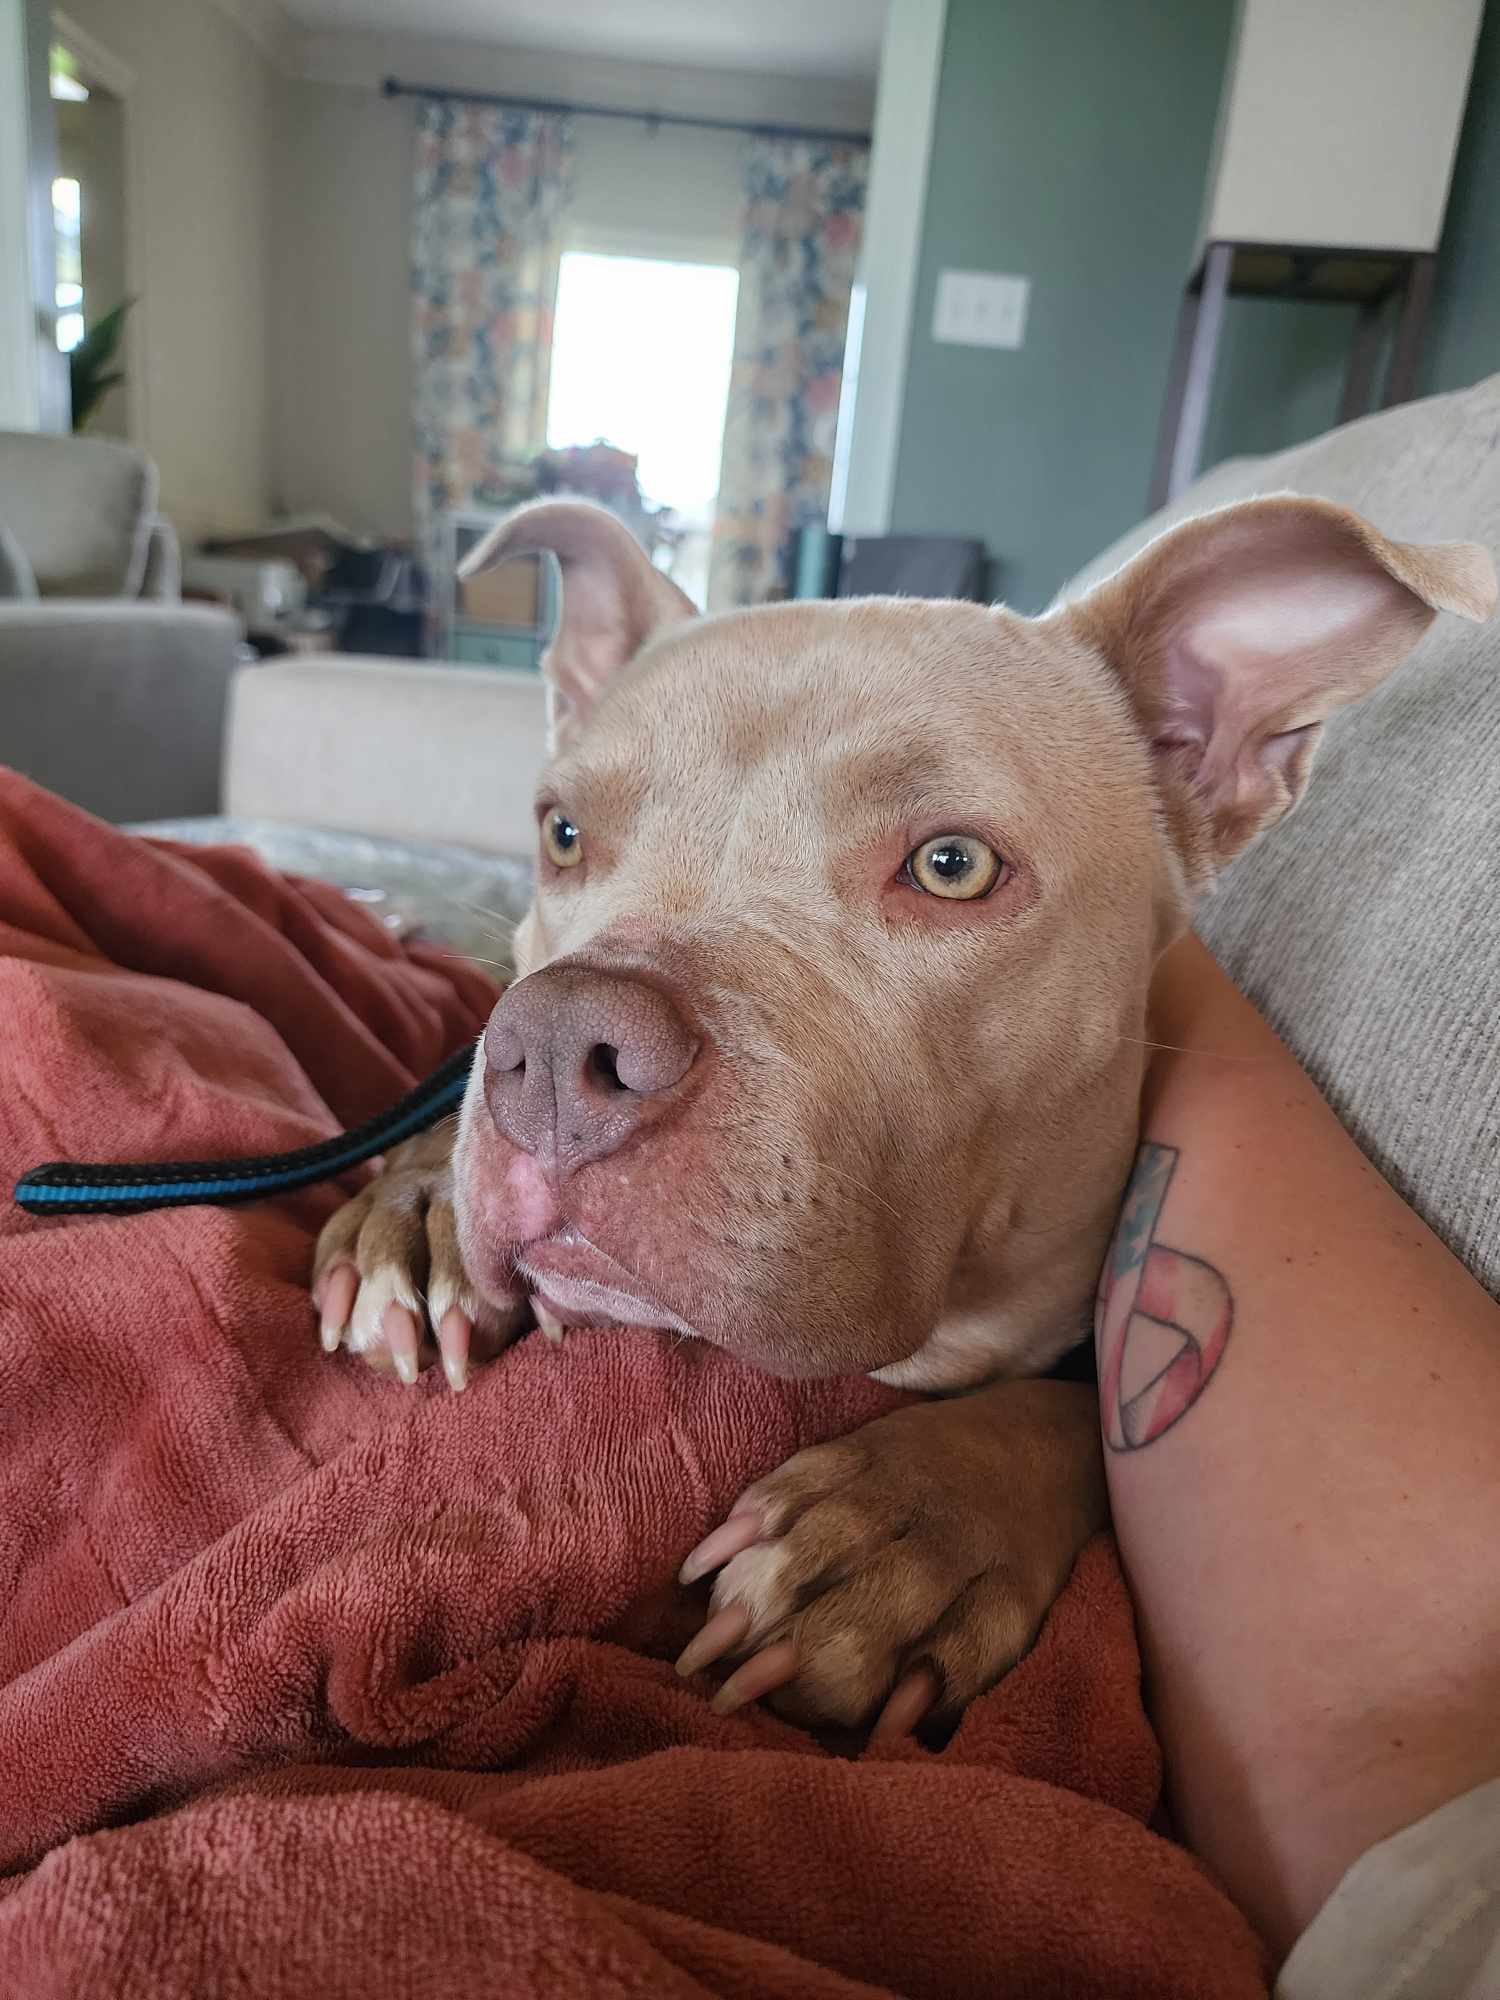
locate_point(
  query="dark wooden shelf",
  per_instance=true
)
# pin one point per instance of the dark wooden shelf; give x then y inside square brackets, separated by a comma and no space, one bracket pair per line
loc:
[1300,273]
[1329,277]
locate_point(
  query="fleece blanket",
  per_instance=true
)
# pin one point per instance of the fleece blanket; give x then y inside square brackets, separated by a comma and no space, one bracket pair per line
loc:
[314,1685]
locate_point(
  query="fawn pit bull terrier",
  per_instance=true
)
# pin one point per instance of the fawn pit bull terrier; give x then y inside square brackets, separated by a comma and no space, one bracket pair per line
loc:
[828,1034]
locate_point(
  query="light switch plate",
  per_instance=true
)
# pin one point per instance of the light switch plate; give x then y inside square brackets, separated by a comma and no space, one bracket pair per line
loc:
[980,308]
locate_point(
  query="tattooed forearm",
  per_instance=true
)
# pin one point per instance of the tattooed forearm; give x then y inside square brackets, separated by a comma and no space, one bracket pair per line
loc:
[1161,1320]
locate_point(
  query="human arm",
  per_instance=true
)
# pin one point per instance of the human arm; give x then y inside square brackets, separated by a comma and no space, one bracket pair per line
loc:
[1311,1537]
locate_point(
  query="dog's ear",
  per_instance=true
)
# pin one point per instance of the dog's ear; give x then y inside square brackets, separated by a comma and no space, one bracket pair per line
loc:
[613,597]
[1237,634]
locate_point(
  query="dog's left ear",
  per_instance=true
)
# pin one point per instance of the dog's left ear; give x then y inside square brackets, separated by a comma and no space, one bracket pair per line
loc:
[1237,634]
[613,597]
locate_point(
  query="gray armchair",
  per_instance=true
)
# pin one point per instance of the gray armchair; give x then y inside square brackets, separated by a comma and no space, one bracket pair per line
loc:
[112,691]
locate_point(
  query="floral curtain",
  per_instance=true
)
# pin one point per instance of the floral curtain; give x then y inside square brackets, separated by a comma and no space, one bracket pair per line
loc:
[492,188]
[804,209]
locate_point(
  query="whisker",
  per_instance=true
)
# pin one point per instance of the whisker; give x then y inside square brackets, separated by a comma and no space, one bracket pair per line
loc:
[858,1186]
[483,910]
[473,958]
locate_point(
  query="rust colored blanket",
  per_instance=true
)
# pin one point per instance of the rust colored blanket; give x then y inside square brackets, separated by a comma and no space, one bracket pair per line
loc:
[313,1685]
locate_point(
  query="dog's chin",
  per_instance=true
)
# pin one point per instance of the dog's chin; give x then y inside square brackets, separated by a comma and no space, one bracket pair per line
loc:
[585,1261]
[571,1282]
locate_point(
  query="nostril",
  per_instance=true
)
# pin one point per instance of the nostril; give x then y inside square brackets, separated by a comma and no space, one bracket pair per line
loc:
[504,1050]
[604,1066]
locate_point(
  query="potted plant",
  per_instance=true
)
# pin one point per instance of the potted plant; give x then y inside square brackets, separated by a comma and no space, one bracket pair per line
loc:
[91,370]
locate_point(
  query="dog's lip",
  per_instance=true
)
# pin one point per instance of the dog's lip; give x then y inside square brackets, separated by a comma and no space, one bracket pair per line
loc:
[584,1286]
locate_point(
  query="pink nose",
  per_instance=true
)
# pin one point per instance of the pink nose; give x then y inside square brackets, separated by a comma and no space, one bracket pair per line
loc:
[577,1059]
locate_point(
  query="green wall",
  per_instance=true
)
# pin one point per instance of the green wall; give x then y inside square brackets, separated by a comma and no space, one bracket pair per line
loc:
[1071,145]
[1465,340]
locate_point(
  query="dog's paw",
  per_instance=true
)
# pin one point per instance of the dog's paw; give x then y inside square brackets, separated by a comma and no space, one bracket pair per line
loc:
[898,1573]
[388,1280]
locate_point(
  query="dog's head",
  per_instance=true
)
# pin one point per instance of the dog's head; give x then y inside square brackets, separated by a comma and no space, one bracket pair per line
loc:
[831,1031]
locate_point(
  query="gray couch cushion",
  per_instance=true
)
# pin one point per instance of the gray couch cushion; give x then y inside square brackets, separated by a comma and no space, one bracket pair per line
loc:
[1367,925]
[81,509]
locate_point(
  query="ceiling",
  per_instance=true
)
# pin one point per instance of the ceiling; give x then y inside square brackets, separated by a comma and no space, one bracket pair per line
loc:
[826,38]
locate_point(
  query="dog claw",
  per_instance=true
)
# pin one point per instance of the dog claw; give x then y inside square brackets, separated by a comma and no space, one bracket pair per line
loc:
[403,1338]
[756,1678]
[910,1699]
[453,1344]
[335,1300]
[720,1635]
[729,1540]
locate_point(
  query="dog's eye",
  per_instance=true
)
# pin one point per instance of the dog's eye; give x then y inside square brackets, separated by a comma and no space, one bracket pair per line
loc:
[955,866]
[561,840]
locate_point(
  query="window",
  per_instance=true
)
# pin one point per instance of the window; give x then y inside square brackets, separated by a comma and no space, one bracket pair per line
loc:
[67,218]
[67,87]
[641,353]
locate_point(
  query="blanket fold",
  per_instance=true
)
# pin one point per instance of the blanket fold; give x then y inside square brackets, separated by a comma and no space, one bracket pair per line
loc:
[310,1684]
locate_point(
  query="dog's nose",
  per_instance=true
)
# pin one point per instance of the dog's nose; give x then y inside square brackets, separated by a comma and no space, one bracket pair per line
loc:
[577,1059]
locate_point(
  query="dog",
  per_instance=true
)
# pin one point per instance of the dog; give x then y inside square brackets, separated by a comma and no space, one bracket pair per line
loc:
[829,1028]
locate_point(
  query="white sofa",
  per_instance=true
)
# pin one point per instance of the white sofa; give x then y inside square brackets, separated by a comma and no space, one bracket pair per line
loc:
[405,749]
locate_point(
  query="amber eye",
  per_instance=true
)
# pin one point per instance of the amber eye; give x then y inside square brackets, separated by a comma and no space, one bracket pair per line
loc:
[955,866]
[561,840]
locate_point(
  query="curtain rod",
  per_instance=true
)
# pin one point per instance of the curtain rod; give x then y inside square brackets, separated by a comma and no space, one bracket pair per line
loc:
[394,87]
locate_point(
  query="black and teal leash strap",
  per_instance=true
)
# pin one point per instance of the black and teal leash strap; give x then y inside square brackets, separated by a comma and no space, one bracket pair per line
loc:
[68,1188]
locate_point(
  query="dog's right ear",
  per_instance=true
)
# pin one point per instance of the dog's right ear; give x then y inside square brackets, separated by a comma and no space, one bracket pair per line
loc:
[613,597]
[1236,636]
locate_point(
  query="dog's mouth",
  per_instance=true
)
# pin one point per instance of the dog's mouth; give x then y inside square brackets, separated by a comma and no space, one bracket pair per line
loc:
[574,1283]
[528,1244]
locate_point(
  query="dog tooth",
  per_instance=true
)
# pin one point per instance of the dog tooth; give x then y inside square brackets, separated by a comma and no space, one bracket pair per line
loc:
[551,1326]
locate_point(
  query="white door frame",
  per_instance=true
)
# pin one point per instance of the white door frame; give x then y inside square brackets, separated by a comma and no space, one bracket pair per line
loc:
[885,291]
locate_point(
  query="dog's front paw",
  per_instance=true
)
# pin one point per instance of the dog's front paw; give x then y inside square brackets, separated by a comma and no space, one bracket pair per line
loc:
[388,1280]
[901,1571]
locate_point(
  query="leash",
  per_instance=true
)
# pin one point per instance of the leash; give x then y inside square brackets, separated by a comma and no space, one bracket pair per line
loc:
[69,1188]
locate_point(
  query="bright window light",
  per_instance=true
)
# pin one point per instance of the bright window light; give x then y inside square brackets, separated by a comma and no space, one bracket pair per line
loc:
[66,85]
[67,218]
[641,352]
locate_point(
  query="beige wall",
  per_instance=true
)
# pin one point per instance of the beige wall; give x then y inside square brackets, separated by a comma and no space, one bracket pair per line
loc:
[341,364]
[199,124]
